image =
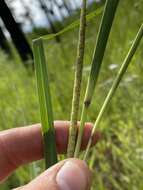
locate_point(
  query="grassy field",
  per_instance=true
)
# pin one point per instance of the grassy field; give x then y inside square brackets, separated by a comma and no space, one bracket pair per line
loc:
[117,161]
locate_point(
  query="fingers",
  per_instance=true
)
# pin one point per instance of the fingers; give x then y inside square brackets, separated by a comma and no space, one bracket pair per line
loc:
[22,145]
[71,174]
[62,131]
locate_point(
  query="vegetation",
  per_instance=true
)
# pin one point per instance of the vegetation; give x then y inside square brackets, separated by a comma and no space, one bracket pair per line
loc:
[117,161]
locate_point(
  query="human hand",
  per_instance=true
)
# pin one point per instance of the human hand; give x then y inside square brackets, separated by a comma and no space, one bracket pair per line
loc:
[20,146]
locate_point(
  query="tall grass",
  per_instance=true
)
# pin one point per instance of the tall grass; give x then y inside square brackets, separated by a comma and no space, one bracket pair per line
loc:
[45,96]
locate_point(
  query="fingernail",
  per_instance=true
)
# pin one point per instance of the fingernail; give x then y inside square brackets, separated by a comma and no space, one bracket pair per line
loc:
[71,177]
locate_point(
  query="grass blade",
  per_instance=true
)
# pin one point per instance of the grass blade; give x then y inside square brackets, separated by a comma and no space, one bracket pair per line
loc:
[115,84]
[77,82]
[46,112]
[103,35]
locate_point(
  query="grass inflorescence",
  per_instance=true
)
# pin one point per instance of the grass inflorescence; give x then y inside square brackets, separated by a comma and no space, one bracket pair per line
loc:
[77,81]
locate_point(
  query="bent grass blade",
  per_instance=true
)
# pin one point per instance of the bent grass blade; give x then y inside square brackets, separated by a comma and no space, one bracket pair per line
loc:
[72,26]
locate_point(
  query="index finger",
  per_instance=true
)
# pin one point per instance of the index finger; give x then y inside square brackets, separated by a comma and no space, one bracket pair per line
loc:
[22,145]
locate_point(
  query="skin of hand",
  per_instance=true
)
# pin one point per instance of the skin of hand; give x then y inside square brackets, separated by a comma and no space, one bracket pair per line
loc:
[20,146]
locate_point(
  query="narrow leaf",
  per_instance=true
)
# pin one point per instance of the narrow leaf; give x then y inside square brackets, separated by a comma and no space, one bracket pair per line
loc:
[46,112]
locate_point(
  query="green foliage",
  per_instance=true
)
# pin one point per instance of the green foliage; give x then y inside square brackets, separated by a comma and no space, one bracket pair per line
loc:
[118,160]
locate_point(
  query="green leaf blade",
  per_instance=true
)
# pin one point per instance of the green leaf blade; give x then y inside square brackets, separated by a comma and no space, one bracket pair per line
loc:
[102,39]
[45,104]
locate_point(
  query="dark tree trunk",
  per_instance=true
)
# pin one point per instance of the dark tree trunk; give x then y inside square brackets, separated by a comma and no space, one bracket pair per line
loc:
[16,33]
[4,43]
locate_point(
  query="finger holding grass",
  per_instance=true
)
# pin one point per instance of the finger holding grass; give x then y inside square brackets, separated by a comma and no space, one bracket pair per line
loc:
[23,145]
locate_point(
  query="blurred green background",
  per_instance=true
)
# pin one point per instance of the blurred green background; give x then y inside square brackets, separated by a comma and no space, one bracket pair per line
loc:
[117,161]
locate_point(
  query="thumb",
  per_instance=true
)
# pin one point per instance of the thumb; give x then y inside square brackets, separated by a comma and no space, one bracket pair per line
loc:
[71,174]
